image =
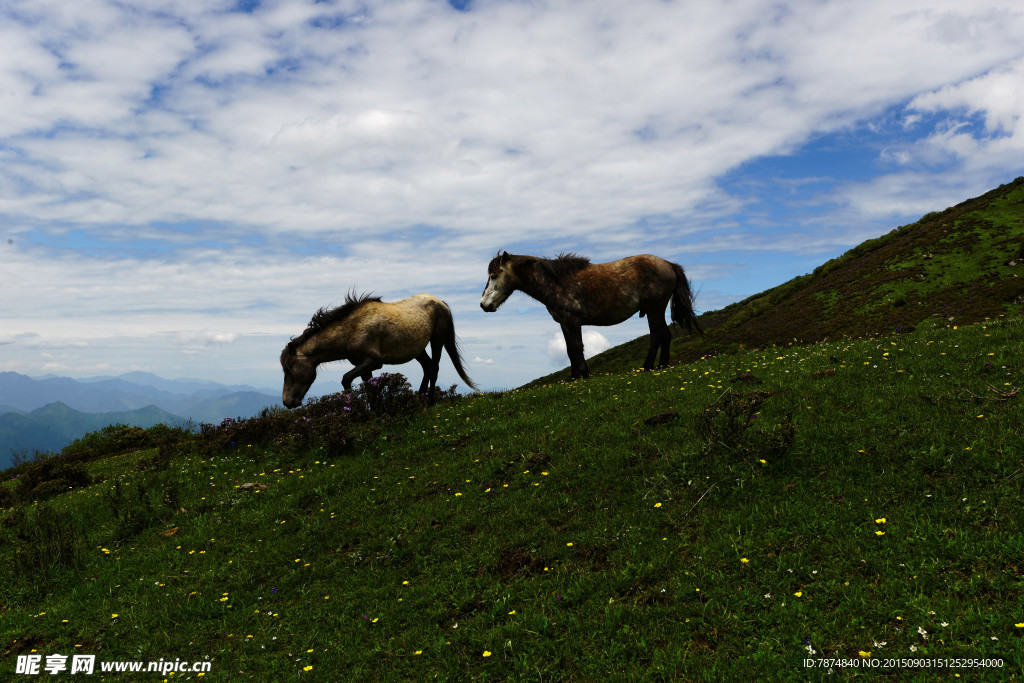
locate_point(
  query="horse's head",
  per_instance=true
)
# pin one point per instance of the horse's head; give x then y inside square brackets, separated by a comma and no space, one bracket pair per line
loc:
[501,282]
[299,373]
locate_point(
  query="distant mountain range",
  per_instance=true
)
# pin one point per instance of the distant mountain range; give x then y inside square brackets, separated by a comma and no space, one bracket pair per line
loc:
[48,413]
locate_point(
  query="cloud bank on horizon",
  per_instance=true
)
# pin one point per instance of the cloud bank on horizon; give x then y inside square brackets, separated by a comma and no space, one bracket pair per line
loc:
[182,184]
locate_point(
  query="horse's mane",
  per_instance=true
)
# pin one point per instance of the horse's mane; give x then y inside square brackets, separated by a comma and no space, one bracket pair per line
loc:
[564,265]
[325,317]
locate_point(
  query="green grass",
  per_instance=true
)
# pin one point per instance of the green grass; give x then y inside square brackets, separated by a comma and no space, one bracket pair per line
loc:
[558,531]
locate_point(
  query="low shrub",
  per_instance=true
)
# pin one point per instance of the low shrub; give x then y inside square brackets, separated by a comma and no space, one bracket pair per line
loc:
[325,423]
[46,544]
[727,425]
[49,477]
[131,510]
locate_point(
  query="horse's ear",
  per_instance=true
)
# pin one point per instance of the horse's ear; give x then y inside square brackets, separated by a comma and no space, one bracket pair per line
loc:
[504,258]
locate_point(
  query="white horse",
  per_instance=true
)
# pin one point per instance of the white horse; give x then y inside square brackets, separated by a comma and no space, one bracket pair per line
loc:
[370,333]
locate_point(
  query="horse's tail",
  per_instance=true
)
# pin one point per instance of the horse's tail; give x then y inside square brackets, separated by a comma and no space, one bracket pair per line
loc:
[451,345]
[682,303]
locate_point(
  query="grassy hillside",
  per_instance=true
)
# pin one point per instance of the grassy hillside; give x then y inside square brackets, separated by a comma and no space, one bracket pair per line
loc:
[957,266]
[720,520]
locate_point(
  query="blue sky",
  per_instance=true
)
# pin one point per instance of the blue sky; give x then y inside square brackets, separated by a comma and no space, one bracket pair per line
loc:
[183,184]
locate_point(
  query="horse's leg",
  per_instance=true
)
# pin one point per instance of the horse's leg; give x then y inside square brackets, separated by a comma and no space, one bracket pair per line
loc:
[666,346]
[436,347]
[573,334]
[346,379]
[653,350]
[364,370]
[666,340]
[661,337]
[424,360]
[426,391]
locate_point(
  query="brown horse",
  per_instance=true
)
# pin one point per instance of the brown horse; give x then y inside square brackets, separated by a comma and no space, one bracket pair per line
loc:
[370,333]
[578,292]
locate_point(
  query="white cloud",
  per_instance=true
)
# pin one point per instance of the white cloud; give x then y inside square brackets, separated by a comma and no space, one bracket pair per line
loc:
[976,144]
[203,337]
[593,343]
[996,96]
[520,117]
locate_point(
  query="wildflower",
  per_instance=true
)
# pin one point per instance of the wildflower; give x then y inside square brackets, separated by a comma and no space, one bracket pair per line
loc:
[487,653]
[308,668]
[879,533]
[880,520]
[657,505]
[744,560]
[799,594]
[864,654]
